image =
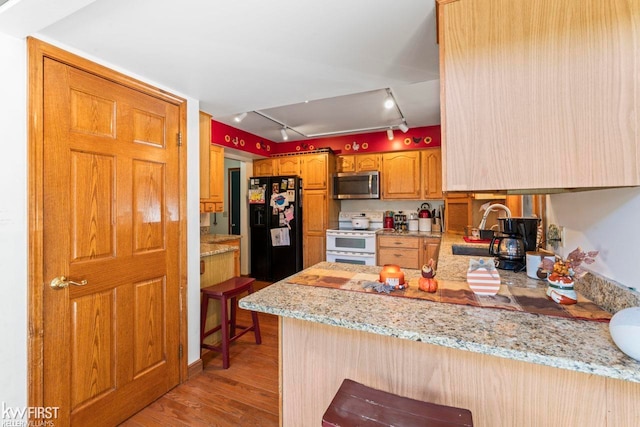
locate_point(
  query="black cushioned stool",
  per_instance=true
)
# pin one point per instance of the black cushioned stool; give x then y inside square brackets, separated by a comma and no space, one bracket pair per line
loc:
[223,291]
[358,405]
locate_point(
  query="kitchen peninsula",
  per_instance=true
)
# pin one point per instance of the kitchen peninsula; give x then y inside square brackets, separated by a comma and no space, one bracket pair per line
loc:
[508,368]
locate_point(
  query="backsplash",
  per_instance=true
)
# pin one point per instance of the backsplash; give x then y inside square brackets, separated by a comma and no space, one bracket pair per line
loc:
[606,293]
[204,230]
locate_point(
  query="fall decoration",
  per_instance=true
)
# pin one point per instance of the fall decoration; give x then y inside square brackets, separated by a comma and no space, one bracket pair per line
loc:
[562,274]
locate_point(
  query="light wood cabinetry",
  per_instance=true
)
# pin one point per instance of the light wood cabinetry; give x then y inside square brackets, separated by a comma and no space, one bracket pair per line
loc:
[558,101]
[498,391]
[211,169]
[216,174]
[315,168]
[458,212]
[264,167]
[289,165]
[407,251]
[431,172]
[401,175]
[358,162]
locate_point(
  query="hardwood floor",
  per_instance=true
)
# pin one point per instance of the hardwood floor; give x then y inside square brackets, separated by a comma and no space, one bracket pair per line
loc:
[246,394]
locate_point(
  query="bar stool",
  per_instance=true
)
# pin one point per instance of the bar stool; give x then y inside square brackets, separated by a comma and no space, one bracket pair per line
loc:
[223,291]
[358,405]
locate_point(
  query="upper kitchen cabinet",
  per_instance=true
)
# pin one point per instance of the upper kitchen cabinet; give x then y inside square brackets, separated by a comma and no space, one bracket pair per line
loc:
[315,171]
[431,173]
[401,175]
[216,171]
[288,165]
[539,94]
[211,169]
[358,162]
[264,167]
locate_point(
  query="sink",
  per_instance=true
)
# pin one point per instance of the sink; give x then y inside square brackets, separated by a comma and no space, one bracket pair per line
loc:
[470,250]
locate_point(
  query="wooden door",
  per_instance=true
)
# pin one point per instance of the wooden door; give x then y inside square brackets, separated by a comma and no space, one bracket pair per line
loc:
[111,218]
[314,171]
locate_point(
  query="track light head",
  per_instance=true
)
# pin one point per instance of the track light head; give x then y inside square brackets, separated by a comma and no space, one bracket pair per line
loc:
[403,127]
[240,117]
[390,134]
[389,103]
[283,132]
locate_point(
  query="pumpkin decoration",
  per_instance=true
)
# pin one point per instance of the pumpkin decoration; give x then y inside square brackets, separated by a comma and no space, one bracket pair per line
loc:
[427,283]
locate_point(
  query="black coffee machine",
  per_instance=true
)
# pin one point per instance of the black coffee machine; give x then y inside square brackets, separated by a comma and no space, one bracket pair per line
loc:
[510,245]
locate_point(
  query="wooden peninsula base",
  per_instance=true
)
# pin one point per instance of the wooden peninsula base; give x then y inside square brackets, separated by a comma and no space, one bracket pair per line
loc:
[315,358]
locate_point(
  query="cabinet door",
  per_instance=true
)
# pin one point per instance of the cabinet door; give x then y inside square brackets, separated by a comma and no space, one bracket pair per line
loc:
[314,225]
[314,249]
[216,174]
[558,101]
[458,212]
[405,258]
[431,173]
[401,175]
[289,165]
[314,171]
[431,250]
[205,144]
[367,162]
[263,167]
[345,163]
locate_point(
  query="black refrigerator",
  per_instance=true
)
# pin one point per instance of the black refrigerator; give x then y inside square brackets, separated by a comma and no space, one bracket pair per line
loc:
[275,226]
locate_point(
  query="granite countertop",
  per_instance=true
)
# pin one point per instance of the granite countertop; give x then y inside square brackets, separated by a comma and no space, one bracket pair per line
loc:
[577,345]
[218,238]
[208,249]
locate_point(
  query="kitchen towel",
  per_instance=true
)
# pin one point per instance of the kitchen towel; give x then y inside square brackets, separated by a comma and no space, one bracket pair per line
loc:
[280,237]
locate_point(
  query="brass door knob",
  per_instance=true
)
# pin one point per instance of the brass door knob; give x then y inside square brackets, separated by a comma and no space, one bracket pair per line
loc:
[62,282]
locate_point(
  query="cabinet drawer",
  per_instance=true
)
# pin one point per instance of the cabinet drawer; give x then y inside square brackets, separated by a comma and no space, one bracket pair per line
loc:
[405,258]
[209,207]
[399,242]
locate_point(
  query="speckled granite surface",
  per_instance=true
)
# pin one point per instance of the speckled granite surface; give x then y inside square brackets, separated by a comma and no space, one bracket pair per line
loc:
[211,244]
[576,345]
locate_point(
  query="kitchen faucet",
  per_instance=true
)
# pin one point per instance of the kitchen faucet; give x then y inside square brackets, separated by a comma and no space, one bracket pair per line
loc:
[493,208]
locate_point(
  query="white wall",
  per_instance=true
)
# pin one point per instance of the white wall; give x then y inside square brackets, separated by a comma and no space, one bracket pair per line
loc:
[603,220]
[13,222]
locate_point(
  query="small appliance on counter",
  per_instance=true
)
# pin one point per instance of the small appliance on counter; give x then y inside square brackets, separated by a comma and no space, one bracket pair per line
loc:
[517,236]
[388,219]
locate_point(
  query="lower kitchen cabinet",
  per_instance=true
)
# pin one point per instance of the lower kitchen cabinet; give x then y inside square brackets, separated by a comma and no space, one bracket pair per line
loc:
[407,251]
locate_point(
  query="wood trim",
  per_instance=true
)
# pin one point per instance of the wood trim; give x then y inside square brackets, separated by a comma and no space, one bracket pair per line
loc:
[37,51]
[195,369]
[280,374]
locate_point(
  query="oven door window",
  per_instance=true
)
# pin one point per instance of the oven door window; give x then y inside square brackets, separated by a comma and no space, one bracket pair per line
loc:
[350,243]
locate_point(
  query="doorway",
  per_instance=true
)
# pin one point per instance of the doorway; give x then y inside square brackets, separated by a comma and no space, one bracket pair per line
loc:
[234,201]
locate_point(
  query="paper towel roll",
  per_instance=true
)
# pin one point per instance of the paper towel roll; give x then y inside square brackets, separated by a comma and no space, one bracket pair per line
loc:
[424,224]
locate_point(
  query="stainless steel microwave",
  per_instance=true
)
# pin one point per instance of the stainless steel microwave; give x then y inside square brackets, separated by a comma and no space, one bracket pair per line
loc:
[356,185]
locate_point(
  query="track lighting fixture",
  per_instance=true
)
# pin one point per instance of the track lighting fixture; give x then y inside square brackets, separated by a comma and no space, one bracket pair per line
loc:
[240,117]
[403,127]
[389,102]
[283,132]
[390,134]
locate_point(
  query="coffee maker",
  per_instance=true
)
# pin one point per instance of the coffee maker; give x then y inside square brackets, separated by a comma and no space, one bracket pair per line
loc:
[510,245]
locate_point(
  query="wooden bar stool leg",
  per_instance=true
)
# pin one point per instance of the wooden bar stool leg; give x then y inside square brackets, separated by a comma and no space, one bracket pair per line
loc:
[232,324]
[204,306]
[225,332]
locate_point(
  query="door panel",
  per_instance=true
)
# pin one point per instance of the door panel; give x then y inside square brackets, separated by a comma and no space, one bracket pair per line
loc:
[111,217]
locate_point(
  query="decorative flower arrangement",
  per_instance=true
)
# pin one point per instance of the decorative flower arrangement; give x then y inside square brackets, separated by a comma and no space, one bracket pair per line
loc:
[562,273]
[571,266]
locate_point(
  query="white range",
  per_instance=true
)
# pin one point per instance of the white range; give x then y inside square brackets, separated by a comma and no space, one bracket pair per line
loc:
[354,246]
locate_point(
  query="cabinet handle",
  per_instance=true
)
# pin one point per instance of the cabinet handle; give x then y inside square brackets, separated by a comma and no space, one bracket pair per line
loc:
[201,266]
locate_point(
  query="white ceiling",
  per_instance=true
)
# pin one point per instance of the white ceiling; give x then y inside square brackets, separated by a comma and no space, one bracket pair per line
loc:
[272,56]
